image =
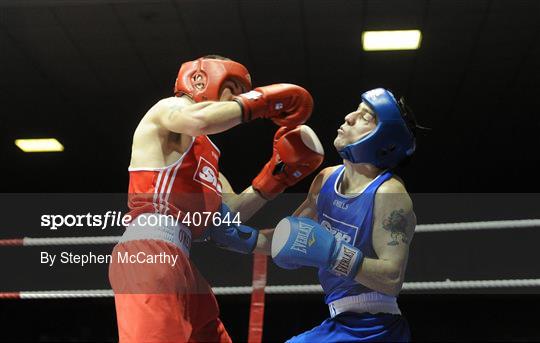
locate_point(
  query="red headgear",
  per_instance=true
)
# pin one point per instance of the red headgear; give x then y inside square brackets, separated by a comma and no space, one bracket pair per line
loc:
[202,79]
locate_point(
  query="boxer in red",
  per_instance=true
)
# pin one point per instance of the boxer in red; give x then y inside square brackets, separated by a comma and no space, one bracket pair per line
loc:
[159,294]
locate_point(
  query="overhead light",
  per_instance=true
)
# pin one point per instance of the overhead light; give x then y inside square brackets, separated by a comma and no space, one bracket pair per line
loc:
[391,40]
[39,145]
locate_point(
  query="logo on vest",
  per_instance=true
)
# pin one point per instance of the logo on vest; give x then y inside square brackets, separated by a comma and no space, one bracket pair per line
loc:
[340,235]
[207,175]
[302,240]
[340,204]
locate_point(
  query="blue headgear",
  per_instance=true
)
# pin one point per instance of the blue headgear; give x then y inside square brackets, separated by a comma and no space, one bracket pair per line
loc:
[391,140]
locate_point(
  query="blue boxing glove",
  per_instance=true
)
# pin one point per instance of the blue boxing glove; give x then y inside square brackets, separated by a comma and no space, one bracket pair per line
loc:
[230,236]
[302,241]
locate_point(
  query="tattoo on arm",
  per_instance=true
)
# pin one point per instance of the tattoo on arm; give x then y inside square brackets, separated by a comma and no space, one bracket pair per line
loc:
[396,224]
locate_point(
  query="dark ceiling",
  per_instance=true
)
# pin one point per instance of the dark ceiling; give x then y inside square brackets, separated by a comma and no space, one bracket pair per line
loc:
[86,71]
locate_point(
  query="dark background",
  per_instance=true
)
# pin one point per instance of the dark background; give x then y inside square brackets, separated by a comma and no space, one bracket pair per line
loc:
[85,72]
[447,318]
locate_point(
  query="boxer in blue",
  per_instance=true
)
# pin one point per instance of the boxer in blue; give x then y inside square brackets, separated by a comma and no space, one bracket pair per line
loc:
[355,226]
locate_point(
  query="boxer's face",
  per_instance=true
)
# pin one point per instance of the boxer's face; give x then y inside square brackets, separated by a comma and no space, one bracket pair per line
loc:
[357,124]
[230,88]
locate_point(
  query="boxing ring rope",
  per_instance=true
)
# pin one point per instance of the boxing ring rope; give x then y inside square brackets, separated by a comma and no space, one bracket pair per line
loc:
[285,289]
[443,227]
[259,288]
[481,225]
[28,241]
[407,286]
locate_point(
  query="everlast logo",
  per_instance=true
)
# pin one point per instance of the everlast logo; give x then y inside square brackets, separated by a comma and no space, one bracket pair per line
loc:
[346,258]
[301,241]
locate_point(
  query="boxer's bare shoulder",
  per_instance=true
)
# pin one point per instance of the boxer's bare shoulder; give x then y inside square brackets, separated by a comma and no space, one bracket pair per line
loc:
[164,108]
[153,144]
[394,185]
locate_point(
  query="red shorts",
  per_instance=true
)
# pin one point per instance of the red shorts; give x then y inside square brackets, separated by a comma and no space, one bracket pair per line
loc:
[157,302]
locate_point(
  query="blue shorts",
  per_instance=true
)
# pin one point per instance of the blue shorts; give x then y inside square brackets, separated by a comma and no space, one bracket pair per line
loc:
[358,327]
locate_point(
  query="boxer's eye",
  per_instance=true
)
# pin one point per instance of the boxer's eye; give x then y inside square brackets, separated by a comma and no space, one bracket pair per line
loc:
[367,117]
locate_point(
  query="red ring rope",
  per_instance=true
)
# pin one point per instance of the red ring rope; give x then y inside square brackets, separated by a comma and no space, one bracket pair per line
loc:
[256,314]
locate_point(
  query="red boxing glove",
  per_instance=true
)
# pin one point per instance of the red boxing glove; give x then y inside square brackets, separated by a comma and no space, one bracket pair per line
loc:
[286,104]
[297,153]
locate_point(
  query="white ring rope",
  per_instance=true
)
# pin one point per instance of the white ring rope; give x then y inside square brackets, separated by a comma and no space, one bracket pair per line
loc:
[88,293]
[466,226]
[27,241]
[484,225]
[471,284]
[298,289]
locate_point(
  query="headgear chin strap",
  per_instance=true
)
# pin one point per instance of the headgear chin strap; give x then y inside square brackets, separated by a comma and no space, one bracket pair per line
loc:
[391,140]
[202,79]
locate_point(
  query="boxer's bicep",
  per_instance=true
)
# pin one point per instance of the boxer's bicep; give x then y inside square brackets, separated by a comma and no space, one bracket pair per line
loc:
[393,230]
[170,114]
[306,209]
[196,119]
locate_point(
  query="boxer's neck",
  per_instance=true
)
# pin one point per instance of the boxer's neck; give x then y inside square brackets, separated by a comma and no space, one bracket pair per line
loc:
[356,176]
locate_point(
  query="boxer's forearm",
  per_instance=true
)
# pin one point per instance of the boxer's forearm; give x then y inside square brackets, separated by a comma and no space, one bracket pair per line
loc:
[246,203]
[264,242]
[380,275]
